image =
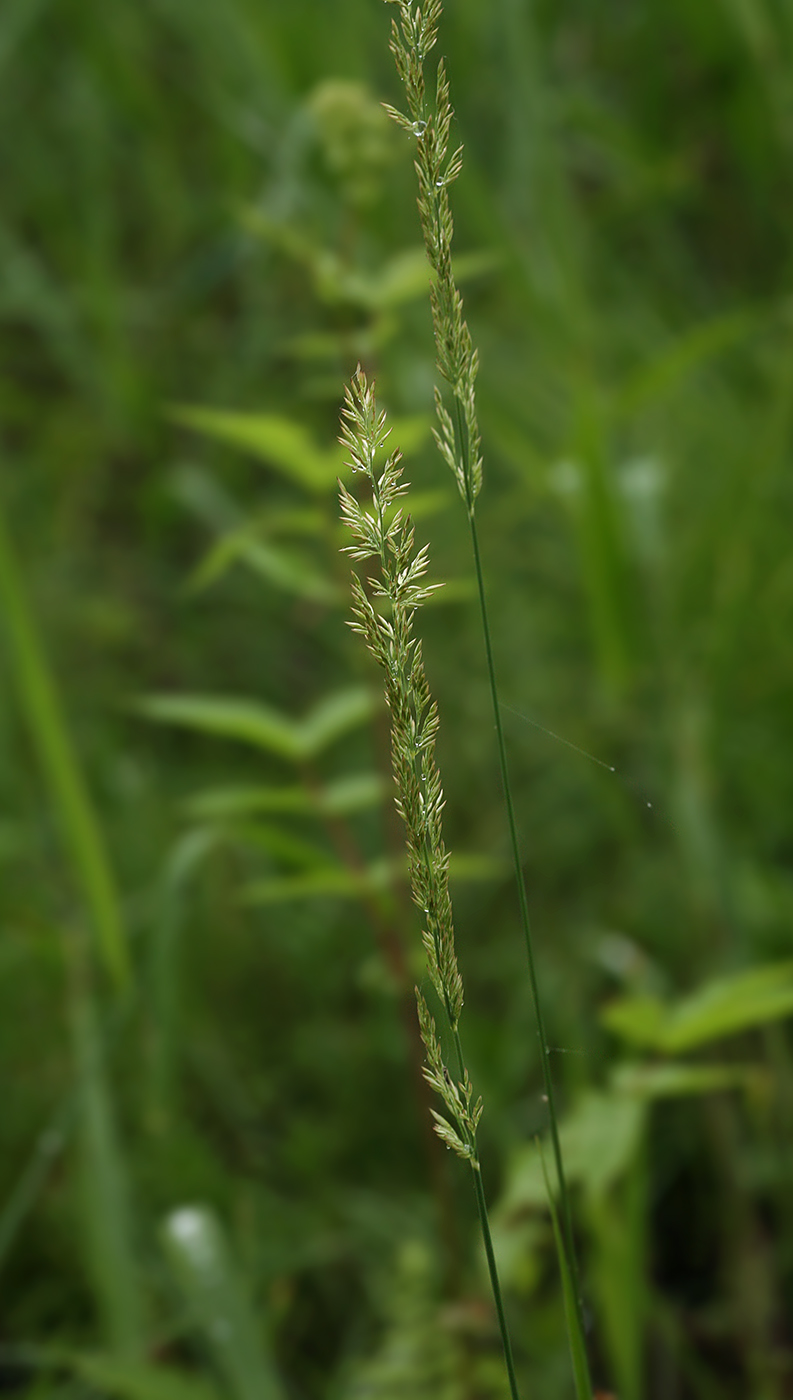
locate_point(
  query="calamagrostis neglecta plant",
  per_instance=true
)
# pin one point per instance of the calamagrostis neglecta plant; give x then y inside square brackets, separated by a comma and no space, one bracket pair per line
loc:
[428,122]
[387,535]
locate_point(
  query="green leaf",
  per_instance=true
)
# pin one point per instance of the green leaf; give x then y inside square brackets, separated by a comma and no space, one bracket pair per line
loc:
[355,793]
[284,568]
[253,722]
[639,1020]
[289,447]
[720,1008]
[676,1080]
[248,721]
[42,711]
[341,882]
[221,1308]
[226,804]
[598,1140]
[334,881]
[334,717]
[283,444]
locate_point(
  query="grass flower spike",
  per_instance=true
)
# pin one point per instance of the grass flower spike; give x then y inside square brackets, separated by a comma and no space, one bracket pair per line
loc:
[459,442]
[457,436]
[386,535]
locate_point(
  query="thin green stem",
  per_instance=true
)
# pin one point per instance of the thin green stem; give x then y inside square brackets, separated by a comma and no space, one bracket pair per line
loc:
[463,447]
[484,1224]
[564,1197]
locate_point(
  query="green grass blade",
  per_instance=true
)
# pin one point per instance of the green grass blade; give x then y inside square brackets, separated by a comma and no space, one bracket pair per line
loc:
[207,1274]
[107,1225]
[572,1312]
[41,707]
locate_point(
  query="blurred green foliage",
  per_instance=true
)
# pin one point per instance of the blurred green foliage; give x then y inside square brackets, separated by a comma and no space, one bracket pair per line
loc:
[216,1174]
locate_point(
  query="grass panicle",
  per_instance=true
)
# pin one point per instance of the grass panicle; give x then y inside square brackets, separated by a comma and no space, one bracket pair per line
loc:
[458,437]
[386,534]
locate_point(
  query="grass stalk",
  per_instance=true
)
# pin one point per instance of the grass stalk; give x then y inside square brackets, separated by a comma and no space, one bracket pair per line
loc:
[564,1195]
[458,440]
[387,536]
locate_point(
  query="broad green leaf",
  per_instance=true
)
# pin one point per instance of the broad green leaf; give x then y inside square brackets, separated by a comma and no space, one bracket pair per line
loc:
[279,841]
[600,1136]
[329,882]
[404,278]
[356,793]
[253,722]
[598,1140]
[334,717]
[219,1303]
[721,1007]
[134,1381]
[284,568]
[249,721]
[226,804]
[676,1079]
[280,442]
[41,707]
[731,1004]
[288,446]
[639,1020]
[342,882]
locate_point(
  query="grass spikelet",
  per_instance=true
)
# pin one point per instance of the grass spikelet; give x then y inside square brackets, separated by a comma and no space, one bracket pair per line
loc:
[458,437]
[386,534]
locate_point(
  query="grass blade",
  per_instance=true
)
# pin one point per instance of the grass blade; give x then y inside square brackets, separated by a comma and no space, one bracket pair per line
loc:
[41,707]
[103,1189]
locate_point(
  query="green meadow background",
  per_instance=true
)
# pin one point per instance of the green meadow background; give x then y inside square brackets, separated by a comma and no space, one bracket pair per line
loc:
[217,1177]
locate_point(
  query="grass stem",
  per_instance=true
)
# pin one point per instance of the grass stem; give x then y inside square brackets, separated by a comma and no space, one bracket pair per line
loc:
[487,1238]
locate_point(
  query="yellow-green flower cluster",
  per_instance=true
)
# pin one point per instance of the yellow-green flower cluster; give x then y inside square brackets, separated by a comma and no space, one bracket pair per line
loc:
[386,534]
[458,435]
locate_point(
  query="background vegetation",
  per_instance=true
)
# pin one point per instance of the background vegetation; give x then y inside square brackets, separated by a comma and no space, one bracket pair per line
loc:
[216,1174]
